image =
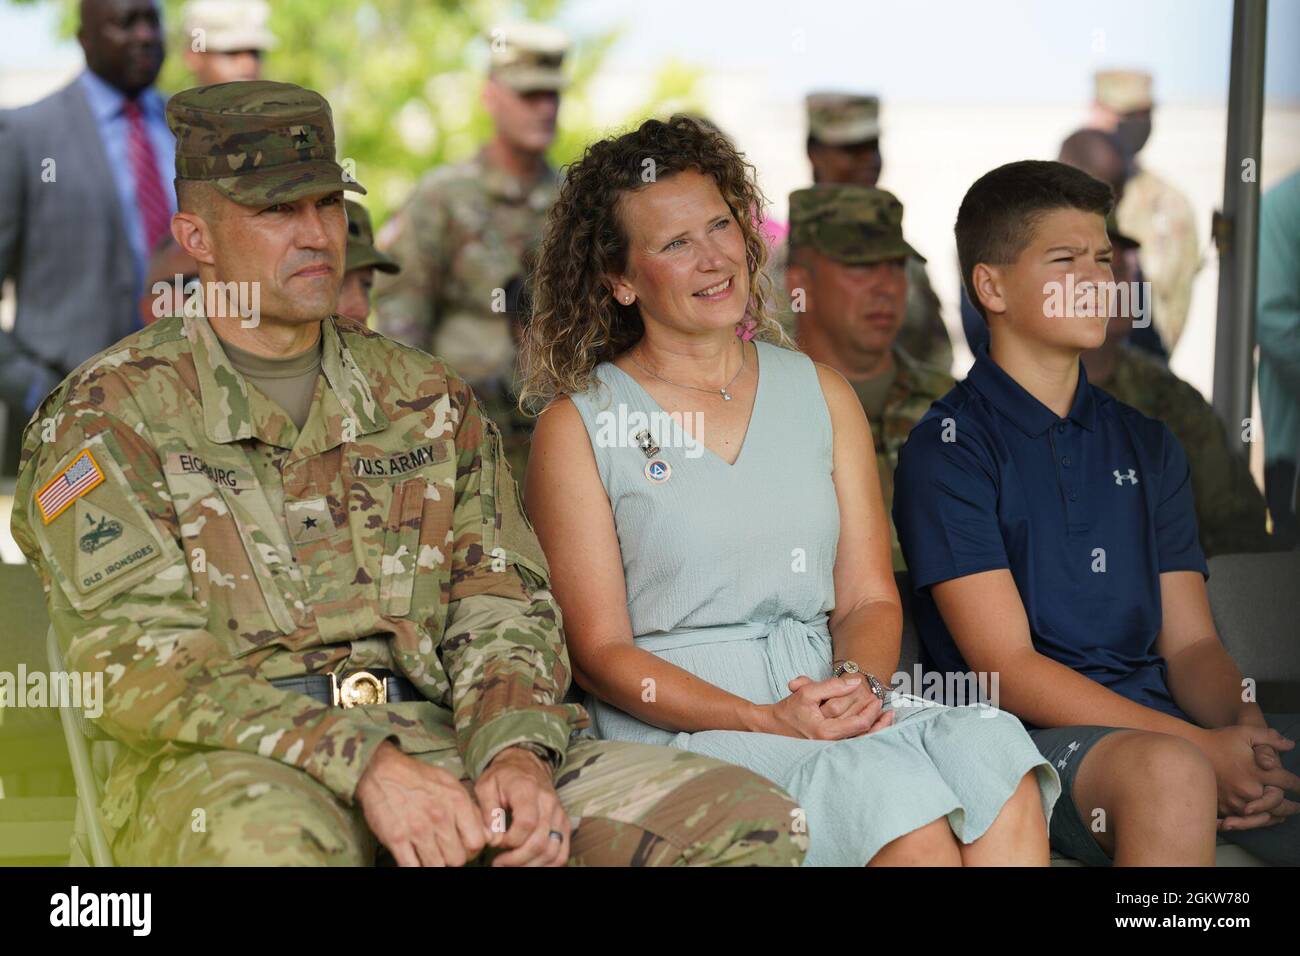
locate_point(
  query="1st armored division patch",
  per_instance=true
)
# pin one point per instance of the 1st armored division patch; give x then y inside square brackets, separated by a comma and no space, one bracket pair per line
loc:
[108,546]
[97,537]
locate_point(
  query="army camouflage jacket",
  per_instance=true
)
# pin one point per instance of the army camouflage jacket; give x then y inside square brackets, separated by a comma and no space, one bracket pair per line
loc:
[916,387]
[460,239]
[194,545]
[1230,511]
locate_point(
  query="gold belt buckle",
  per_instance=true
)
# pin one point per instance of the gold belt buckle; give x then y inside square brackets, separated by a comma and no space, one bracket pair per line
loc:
[358,689]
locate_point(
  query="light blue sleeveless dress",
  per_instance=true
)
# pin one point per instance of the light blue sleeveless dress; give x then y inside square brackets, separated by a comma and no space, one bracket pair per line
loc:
[729,576]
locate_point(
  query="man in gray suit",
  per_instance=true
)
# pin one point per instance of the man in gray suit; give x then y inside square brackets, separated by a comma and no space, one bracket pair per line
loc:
[85,194]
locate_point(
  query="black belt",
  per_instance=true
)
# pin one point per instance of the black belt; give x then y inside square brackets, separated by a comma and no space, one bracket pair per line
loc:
[353,689]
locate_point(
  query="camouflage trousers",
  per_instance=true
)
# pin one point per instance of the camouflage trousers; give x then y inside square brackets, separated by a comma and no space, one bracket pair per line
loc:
[631,805]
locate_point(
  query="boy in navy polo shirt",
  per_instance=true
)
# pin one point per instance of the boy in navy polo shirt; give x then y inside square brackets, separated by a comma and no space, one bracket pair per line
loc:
[1051,538]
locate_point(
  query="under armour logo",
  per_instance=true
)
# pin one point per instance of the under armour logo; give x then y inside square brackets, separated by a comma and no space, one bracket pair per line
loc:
[1131,477]
[1069,752]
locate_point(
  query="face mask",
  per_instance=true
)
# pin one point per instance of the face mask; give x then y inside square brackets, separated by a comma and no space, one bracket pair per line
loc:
[1133,131]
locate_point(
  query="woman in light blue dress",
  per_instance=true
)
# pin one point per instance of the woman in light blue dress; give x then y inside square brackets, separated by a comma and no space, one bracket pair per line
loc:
[708,501]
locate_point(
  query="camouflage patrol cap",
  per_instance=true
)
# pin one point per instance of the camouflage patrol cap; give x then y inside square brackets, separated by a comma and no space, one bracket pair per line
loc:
[838,119]
[228,25]
[528,56]
[854,225]
[256,141]
[361,242]
[1124,91]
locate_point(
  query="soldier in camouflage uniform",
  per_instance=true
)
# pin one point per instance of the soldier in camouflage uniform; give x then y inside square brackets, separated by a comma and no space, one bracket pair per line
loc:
[1152,211]
[225,40]
[463,236]
[848,254]
[326,631]
[363,260]
[844,149]
[1229,506]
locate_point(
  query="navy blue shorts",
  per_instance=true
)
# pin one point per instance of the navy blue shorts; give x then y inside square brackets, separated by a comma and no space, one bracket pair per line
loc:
[1071,831]
[1066,747]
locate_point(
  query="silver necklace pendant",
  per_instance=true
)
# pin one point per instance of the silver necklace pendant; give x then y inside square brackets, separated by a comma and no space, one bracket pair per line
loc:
[723,391]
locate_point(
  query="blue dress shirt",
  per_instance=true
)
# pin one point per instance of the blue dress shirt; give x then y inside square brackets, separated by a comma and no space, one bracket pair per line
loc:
[108,107]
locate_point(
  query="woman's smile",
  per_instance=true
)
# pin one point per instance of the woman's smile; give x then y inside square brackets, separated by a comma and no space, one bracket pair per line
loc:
[716,293]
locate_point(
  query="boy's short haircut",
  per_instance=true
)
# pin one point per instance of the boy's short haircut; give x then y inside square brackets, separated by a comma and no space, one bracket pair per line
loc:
[1000,211]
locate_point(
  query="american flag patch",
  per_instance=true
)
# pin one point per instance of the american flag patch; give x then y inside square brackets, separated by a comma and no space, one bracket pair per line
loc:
[68,485]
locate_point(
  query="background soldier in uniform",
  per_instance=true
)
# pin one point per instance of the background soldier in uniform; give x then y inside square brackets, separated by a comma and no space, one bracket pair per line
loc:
[844,148]
[848,254]
[327,623]
[362,261]
[463,236]
[1229,506]
[1101,155]
[226,39]
[1152,211]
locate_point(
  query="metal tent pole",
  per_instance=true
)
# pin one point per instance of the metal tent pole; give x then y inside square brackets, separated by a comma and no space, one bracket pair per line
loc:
[1236,230]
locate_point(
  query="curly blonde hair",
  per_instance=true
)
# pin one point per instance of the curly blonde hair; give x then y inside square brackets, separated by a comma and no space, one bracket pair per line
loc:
[576,323]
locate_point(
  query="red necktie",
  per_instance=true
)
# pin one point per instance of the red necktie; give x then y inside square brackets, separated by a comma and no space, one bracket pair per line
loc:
[150,199]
